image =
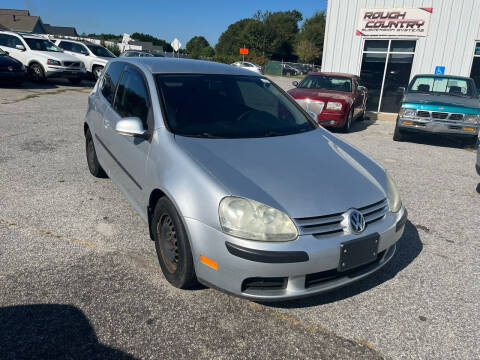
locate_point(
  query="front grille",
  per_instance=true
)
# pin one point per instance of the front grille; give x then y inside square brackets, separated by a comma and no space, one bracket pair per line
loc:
[71,63]
[332,224]
[258,283]
[324,276]
[314,106]
[422,113]
[439,115]
[456,117]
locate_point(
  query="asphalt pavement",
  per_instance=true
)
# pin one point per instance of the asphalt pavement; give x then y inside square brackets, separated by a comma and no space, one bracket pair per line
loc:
[80,279]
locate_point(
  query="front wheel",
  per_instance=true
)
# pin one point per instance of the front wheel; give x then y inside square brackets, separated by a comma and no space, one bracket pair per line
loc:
[172,245]
[348,123]
[471,141]
[97,72]
[36,72]
[398,135]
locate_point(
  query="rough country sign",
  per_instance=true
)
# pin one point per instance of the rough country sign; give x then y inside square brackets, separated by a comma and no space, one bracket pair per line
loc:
[394,22]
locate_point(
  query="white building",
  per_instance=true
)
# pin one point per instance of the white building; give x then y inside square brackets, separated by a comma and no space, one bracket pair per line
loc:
[387,42]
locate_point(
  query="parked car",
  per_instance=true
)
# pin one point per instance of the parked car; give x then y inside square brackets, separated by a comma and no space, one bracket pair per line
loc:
[333,100]
[288,70]
[140,53]
[249,66]
[41,57]
[439,104]
[12,71]
[94,56]
[223,196]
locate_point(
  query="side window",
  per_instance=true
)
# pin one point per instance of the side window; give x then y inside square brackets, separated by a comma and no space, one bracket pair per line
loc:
[78,48]
[132,98]
[110,80]
[9,40]
[65,45]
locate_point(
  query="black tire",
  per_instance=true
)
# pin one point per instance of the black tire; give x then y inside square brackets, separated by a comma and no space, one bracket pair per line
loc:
[398,135]
[172,245]
[75,81]
[92,160]
[471,141]
[36,73]
[348,123]
[97,71]
[361,117]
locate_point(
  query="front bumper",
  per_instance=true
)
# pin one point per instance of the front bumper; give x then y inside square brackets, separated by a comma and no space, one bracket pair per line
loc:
[437,126]
[270,260]
[331,119]
[64,72]
[12,75]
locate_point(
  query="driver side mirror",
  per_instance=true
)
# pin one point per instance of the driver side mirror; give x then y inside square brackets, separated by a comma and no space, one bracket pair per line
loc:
[20,47]
[402,89]
[6,52]
[361,88]
[131,126]
[295,83]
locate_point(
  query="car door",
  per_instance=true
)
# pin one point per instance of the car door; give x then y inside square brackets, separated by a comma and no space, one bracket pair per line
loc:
[77,50]
[100,103]
[132,99]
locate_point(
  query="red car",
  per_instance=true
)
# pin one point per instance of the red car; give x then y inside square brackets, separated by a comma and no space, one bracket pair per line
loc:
[334,100]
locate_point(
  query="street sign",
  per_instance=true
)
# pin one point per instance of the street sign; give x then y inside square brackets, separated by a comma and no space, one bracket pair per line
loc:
[176,44]
[440,70]
[243,51]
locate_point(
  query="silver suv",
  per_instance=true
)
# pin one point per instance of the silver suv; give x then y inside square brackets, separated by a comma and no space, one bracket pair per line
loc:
[240,188]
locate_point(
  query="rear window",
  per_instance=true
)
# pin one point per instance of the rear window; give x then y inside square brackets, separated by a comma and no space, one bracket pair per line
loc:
[442,85]
[227,106]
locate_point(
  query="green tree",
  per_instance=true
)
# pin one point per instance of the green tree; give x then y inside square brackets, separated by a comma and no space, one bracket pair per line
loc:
[313,30]
[155,41]
[198,47]
[281,29]
[307,51]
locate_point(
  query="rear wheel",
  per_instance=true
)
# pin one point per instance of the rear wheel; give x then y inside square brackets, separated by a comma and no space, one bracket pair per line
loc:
[36,72]
[92,160]
[172,245]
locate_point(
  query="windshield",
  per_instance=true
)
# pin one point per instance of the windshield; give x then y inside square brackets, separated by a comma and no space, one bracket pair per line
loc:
[226,106]
[442,86]
[42,45]
[100,51]
[325,82]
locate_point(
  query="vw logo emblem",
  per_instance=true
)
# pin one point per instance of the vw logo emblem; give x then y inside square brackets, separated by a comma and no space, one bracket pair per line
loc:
[356,221]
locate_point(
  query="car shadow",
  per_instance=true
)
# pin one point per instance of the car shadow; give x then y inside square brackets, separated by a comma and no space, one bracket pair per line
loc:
[50,331]
[408,248]
[438,140]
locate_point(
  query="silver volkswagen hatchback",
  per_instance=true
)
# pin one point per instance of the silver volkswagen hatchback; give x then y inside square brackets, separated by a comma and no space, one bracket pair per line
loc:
[241,189]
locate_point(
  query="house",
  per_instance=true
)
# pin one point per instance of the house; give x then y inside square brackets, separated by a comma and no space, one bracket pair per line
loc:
[60,30]
[21,20]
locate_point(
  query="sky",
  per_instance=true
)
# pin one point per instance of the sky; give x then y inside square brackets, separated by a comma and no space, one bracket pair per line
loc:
[163,19]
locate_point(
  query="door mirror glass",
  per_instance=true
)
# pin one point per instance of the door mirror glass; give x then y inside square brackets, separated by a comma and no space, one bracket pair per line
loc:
[131,126]
[361,88]
[20,47]
[295,83]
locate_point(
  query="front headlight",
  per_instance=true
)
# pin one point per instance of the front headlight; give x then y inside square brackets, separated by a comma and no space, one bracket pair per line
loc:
[472,119]
[249,219]
[393,197]
[407,112]
[332,105]
[53,62]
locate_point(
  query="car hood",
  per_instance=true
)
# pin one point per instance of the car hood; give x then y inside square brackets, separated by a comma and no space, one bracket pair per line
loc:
[319,94]
[6,60]
[61,56]
[441,100]
[304,175]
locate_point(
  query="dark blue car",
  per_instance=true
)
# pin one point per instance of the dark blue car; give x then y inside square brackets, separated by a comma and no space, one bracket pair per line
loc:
[12,72]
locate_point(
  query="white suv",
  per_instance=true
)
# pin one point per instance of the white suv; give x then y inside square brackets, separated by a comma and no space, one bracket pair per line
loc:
[94,56]
[42,57]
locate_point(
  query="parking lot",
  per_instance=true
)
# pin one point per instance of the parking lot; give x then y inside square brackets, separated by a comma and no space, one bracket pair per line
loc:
[79,274]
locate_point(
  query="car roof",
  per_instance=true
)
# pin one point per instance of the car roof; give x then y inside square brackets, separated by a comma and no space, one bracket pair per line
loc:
[164,65]
[23,34]
[84,42]
[351,76]
[444,76]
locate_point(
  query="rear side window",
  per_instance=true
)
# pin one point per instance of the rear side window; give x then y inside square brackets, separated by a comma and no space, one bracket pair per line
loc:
[110,80]
[132,98]
[78,48]
[9,40]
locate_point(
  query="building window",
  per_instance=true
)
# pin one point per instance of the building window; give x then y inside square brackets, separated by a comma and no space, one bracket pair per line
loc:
[386,66]
[475,73]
